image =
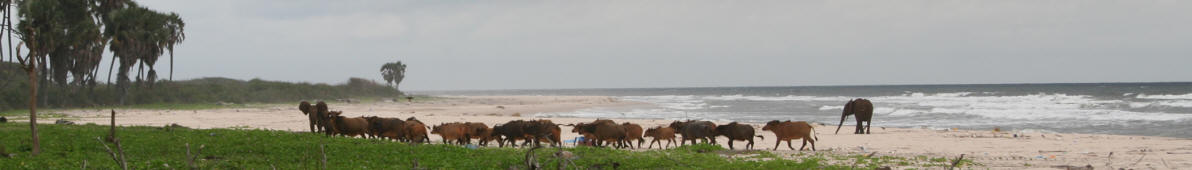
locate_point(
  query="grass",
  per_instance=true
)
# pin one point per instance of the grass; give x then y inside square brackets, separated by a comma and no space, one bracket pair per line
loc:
[867,162]
[68,146]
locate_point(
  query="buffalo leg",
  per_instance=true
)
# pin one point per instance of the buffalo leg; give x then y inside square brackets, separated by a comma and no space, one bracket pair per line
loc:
[639,141]
[812,144]
[804,145]
[730,144]
[788,145]
[749,146]
[776,143]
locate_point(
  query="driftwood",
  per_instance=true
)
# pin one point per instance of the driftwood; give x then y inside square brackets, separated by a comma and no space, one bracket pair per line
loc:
[323,150]
[532,164]
[415,164]
[118,159]
[190,163]
[1139,159]
[190,159]
[956,162]
[112,132]
[565,158]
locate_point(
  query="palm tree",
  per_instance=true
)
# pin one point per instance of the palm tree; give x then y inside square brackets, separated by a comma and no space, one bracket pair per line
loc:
[139,36]
[393,73]
[41,25]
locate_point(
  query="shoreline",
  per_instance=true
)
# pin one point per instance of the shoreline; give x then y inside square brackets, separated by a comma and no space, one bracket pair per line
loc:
[992,149]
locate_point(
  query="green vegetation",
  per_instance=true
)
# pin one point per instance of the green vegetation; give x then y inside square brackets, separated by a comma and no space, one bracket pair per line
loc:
[186,94]
[68,146]
[876,161]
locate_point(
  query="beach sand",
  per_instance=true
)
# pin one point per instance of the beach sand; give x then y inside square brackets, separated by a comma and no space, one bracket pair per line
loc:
[995,150]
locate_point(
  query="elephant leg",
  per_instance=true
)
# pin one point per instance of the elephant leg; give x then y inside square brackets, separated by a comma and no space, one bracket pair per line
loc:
[860,128]
[867,123]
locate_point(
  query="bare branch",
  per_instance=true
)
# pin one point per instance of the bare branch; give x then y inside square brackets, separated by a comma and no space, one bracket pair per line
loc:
[956,162]
[112,153]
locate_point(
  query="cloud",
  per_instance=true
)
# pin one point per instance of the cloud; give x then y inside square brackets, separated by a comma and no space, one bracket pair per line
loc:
[579,44]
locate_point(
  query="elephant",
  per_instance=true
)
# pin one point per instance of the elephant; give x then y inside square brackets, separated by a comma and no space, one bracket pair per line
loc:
[864,111]
[314,114]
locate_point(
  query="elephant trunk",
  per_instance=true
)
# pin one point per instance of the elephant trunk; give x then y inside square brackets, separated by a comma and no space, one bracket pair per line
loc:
[841,123]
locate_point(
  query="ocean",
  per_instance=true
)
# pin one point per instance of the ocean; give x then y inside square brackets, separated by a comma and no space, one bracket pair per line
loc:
[1150,109]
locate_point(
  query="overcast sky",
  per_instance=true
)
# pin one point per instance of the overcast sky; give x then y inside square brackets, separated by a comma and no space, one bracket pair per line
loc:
[454,45]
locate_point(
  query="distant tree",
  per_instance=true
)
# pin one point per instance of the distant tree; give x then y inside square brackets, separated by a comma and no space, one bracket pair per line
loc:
[139,36]
[393,73]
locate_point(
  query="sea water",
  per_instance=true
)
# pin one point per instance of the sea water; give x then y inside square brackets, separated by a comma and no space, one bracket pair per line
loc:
[1153,109]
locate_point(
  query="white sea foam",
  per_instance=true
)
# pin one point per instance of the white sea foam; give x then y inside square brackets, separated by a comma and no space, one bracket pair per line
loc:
[914,109]
[1163,103]
[671,101]
[774,98]
[1166,96]
[826,107]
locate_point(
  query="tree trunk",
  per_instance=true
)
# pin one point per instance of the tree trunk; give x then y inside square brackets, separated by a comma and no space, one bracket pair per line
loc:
[171,63]
[33,108]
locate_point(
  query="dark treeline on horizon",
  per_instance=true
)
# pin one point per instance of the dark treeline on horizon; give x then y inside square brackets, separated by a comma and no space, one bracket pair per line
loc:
[14,92]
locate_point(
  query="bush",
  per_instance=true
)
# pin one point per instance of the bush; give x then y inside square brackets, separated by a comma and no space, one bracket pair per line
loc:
[14,91]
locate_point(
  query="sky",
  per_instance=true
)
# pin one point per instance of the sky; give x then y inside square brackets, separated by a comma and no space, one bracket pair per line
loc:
[471,45]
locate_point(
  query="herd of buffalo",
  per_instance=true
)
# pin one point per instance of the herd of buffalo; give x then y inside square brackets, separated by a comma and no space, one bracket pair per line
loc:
[601,132]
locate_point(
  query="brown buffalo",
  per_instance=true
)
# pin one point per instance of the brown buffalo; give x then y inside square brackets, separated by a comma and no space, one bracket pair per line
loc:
[452,131]
[633,131]
[416,131]
[511,132]
[389,128]
[344,126]
[603,131]
[695,130]
[545,130]
[735,131]
[661,133]
[792,130]
[481,132]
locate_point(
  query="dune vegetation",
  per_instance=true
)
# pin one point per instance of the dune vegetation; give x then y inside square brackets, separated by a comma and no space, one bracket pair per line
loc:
[203,92]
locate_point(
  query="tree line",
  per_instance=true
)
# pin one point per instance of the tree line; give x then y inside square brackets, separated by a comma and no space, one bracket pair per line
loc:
[65,40]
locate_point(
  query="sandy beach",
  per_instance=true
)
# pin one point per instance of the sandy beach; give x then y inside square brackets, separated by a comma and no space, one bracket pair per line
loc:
[995,150]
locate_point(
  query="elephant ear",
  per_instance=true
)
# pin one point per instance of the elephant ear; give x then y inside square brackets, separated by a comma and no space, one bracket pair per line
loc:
[848,108]
[304,107]
[321,107]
